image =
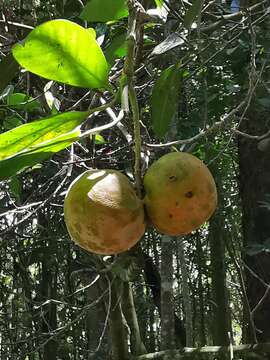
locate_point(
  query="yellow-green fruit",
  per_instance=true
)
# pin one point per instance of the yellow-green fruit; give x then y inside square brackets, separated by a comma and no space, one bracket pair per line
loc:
[103,213]
[180,193]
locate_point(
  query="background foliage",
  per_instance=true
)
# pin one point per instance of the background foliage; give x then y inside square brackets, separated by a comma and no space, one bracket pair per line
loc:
[201,76]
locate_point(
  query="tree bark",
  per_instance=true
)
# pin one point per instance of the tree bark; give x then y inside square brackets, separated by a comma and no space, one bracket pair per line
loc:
[186,292]
[136,344]
[220,308]
[167,303]
[153,280]
[49,323]
[117,328]
[254,188]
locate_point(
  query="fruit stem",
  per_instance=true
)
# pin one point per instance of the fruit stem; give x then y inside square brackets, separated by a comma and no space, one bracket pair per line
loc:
[137,139]
[128,73]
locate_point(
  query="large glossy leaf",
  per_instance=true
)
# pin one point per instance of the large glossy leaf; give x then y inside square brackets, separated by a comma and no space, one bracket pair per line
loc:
[103,11]
[19,162]
[63,51]
[8,69]
[192,13]
[164,99]
[38,133]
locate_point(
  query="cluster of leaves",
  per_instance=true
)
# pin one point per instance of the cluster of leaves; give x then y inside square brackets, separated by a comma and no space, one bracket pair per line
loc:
[71,55]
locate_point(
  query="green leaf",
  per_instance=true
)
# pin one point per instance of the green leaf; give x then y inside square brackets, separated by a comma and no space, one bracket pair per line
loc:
[11,122]
[164,99]
[116,49]
[92,32]
[8,69]
[103,11]
[38,133]
[15,187]
[22,102]
[192,13]
[19,162]
[99,139]
[63,51]
[159,3]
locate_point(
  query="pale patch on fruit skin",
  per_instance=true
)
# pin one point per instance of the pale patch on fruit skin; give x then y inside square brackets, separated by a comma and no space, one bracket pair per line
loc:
[180,193]
[102,212]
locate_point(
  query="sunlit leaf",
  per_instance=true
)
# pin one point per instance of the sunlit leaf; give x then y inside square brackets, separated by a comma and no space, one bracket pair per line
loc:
[103,11]
[99,139]
[36,133]
[19,162]
[92,32]
[159,3]
[63,51]
[164,99]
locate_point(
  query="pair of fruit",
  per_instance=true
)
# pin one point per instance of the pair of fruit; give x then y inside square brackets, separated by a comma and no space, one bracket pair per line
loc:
[104,215]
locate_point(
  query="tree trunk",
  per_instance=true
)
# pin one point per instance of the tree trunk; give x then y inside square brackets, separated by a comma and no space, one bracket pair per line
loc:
[49,323]
[220,326]
[167,305]
[187,300]
[117,327]
[254,189]
[136,344]
[153,281]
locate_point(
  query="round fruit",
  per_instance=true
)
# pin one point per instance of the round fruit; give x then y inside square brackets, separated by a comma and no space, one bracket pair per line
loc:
[180,193]
[102,212]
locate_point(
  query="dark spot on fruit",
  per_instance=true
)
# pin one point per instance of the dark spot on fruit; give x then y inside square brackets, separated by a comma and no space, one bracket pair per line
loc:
[170,216]
[189,194]
[173,178]
[176,203]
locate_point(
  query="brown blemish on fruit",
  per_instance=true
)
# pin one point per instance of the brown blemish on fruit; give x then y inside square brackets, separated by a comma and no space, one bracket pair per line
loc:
[189,194]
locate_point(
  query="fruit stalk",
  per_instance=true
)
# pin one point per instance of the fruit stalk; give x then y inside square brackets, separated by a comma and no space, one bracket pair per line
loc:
[128,72]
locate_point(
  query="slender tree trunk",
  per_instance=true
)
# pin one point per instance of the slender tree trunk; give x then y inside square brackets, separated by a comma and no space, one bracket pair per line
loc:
[217,237]
[219,291]
[136,344]
[167,303]
[49,323]
[187,300]
[153,280]
[97,332]
[201,311]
